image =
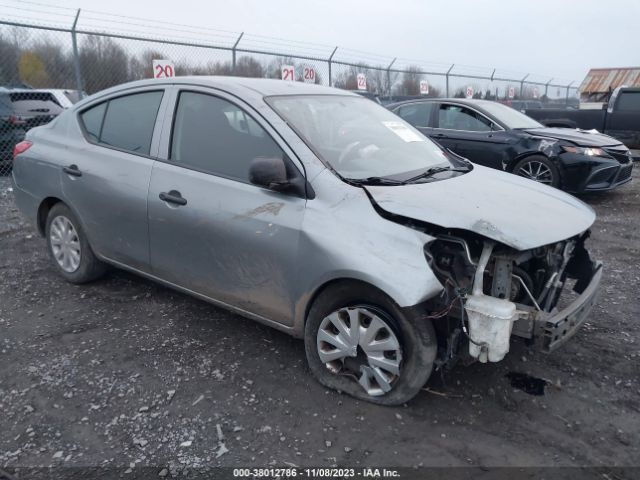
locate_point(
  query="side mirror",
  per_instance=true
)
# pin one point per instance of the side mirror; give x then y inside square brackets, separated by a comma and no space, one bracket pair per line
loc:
[269,172]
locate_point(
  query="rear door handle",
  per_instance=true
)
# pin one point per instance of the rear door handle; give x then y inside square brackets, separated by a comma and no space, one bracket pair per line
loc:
[439,135]
[72,170]
[173,196]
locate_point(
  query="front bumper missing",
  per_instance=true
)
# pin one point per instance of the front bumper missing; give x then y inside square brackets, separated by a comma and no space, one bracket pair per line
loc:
[549,331]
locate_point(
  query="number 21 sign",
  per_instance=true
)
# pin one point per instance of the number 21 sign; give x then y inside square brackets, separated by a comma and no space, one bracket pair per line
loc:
[288,73]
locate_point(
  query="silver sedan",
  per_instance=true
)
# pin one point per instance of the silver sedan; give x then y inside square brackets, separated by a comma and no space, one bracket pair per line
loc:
[315,211]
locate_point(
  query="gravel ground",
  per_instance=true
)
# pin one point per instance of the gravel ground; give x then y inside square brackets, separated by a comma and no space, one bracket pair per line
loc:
[126,373]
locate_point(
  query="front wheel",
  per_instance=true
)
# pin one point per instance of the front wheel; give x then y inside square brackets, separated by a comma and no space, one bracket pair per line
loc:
[539,169]
[360,342]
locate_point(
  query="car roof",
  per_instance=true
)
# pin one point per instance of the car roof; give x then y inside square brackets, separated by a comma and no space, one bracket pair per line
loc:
[238,85]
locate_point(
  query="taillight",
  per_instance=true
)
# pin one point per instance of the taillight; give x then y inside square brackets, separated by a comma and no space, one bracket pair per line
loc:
[21,148]
[13,120]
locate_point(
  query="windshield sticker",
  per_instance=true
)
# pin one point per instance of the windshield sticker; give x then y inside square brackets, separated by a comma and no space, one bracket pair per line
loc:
[404,132]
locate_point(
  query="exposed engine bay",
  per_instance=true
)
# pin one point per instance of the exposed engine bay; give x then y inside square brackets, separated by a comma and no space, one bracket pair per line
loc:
[492,291]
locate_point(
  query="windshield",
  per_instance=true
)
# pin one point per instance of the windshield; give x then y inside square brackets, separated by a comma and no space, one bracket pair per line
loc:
[510,117]
[357,137]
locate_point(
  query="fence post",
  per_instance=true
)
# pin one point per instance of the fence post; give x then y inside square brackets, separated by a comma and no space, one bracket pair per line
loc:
[329,62]
[389,76]
[447,75]
[566,101]
[522,84]
[76,57]
[546,88]
[233,54]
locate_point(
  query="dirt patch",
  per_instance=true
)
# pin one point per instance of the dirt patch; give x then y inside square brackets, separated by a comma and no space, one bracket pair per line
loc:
[123,372]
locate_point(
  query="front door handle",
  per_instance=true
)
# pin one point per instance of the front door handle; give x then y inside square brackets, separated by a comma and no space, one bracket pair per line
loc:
[72,170]
[439,135]
[173,196]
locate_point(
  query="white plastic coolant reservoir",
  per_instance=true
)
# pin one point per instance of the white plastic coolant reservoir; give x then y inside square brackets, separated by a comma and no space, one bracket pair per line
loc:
[490,323]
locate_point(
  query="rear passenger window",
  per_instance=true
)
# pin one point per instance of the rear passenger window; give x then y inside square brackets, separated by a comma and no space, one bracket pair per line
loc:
[417,114]
[92,120]
[215,136]
[125,122]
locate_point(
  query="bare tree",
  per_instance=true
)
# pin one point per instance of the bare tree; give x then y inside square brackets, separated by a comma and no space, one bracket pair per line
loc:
[411,78]
[142,66]
[274,68]
[11,46]
[348,79]
[248,66]
[103,63]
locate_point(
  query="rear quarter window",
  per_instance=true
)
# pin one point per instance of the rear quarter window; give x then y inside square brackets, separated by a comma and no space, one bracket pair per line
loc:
[92,120]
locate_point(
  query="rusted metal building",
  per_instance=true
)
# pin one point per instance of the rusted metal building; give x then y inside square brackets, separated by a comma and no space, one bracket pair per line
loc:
[600,82]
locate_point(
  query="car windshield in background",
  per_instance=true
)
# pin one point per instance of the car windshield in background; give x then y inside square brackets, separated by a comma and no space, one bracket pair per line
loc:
[359,138]
[510,117]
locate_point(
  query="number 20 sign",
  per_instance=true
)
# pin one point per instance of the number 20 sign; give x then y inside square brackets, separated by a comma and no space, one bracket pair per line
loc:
[288,73]
[163,69]
[309,75]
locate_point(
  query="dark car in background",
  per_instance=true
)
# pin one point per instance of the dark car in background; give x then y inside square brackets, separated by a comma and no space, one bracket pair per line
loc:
[523,105]
[21,110]
[620,117]
[495,135]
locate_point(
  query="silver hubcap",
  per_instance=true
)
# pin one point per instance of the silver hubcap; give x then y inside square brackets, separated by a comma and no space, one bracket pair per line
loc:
[65,244]
[537,171]
[358,342]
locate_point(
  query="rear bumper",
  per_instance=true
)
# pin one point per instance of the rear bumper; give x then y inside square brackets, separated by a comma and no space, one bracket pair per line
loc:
[552,332]
[27,203]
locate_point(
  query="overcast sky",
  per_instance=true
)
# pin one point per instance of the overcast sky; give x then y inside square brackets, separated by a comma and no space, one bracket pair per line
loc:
[552,38]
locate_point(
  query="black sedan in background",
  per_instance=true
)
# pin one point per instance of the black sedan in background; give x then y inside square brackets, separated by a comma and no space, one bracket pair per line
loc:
[497,136]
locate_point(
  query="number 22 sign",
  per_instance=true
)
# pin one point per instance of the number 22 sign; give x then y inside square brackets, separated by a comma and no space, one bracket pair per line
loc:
[163,69]
[362,81]
[288,73]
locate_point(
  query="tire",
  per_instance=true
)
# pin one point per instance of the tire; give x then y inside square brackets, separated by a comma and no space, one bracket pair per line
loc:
[81,268]
[539,169]
[415,337]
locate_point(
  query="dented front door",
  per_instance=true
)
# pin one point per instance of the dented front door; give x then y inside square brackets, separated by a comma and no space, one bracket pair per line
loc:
[231,241]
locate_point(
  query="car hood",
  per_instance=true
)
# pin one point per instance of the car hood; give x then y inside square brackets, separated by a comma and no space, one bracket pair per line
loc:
[583,138]
[504,207]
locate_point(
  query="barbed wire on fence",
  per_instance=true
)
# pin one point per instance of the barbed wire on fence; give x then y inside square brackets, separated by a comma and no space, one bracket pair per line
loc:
[217,51]
[69,53]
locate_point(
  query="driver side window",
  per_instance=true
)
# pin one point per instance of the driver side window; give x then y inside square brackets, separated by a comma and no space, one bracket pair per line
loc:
[456,117]
[215,136]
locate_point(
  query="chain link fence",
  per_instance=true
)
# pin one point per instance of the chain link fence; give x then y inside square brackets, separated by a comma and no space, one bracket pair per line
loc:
[45,68]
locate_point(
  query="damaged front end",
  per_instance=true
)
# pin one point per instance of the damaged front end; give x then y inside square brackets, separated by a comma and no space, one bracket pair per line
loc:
[492,291]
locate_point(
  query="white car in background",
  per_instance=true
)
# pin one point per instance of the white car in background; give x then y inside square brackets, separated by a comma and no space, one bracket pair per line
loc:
[66,98]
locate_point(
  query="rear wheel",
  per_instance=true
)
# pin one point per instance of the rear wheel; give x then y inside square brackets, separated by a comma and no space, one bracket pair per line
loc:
[68,247]
[538,168]
[359,341]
